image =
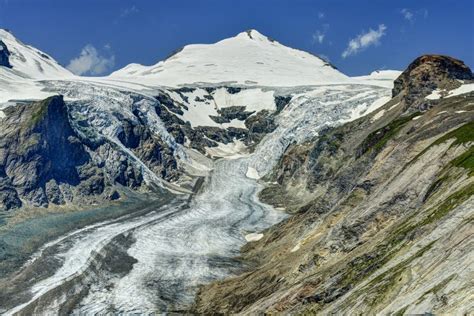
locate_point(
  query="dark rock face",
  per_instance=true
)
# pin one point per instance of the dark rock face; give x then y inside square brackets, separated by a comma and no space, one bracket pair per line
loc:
[149,148]
[281,102]
[4,55]
[230,113]
[169,103]
[429,72]
[260,124]
[38,151]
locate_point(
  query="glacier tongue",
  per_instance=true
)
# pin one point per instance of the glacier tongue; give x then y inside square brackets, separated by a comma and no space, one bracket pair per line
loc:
[180,248]
[196,246]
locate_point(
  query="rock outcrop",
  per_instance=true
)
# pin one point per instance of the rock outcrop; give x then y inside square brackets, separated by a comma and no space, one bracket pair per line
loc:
[39,151]
[4,55]
[427,73]
[44,161]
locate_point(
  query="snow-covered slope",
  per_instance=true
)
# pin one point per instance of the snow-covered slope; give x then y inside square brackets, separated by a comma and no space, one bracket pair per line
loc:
[28,65]
[29,62]
[382,78]
[249,58]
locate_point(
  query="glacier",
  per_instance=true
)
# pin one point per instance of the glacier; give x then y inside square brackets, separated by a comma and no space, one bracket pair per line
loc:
[187,242]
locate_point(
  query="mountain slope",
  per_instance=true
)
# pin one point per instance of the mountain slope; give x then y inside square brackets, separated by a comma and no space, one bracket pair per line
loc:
[21,68]
[249,58]
[28,62]
[382,206]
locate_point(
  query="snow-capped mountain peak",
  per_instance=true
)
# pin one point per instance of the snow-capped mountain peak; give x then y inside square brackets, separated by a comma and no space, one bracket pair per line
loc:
[249,58]
[29,62]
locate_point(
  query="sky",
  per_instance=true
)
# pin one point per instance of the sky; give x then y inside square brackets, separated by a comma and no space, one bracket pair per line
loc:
[96,37]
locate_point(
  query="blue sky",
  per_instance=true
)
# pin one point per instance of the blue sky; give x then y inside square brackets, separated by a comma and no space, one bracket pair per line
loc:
[356,36]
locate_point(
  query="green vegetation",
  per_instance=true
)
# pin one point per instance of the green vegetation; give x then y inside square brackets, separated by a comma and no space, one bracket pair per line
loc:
[363,266]
[449,204]
[386,281]
[437,288]
[401,312]
[466,161]
[40,112]
[463,135]
[376,140]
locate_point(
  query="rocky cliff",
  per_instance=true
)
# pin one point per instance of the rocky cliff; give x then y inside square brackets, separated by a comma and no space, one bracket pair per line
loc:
[382,212]
[4,55]
[47,159]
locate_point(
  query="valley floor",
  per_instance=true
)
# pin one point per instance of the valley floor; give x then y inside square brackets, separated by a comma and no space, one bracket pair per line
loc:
[162,254]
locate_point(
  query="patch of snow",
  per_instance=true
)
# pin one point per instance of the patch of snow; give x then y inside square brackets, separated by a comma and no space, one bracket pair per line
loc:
[234,150]
[295,248]
[253,237]
[377,115]
[253,99]
[435,95]
[416,117]
[252,173]
[363,108]
[393,106]
[382,78]
[465,88]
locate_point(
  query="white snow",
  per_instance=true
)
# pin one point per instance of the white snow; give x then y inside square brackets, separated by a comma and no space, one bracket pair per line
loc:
[377,115]
[382,78]
[252,173]
[249,58]
[464,88]
[435,95]
[29,62]
[295,248]
[253,99]
[234,150]
[362,109]
[253,237]
[393,106]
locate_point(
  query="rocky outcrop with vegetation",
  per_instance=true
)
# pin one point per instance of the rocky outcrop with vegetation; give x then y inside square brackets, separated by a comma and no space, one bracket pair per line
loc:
[382,211]
[46,160]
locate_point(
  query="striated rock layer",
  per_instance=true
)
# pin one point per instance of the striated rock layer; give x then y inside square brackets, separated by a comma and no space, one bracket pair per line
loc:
[382,213]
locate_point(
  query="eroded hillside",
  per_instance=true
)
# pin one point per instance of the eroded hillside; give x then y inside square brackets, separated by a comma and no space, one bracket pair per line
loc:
[382,211]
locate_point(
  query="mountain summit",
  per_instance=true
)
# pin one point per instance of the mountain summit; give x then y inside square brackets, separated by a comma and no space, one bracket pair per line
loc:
[28,62]
[249,58]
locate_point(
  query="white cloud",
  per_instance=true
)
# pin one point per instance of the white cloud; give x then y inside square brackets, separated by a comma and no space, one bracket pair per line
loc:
[321,15]
[407,14]
[411,15]
[364,40]
[320,35]
[128,11]
[91,62]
